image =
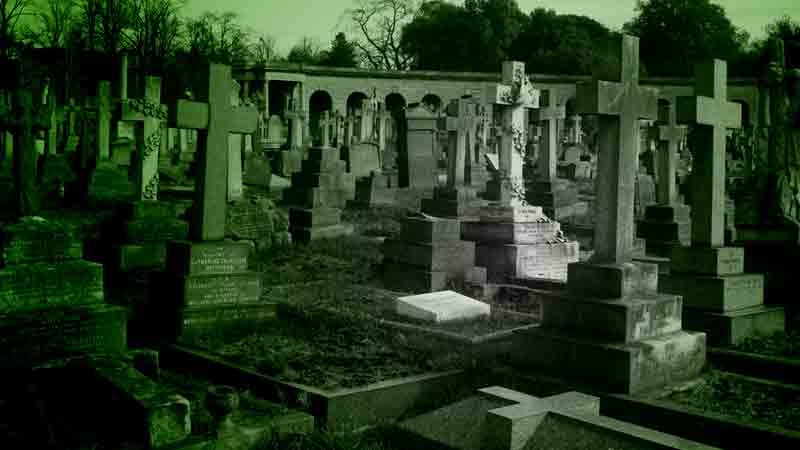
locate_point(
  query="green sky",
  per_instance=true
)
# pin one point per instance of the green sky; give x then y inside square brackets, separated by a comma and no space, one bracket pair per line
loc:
[289,20]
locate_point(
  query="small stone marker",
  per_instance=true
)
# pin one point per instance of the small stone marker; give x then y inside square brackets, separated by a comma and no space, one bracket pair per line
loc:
[443,306]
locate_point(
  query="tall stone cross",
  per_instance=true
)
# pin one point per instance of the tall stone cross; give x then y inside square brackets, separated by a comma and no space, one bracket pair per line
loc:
[458,123]
[214,118]
[296,118]
[149,115]
[548,114]
[711,114]
[101,104]
[325,122]
[619,106]
[668,136]
[514,95]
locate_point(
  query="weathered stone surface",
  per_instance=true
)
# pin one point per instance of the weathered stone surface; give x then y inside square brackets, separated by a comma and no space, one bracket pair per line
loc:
[708,261]
[434,256]
[147,256]
[257,170]
[610,281]
[625,368]
[316,217]
[362,159]
[145,209]
[500,213]
[378,189]
[305,235]
[148,230]
[680,232]
[35,240]
[215,290]
[733,327]
[42,285]
[622,320]
[669,213]
[326,180]
[323,165]
[540,260]
[442,306]
[207,258]
[317,197]
[154,414]
[249,220]
[510,232]
[27,339]
[418,229]
[725,293]
[194,322]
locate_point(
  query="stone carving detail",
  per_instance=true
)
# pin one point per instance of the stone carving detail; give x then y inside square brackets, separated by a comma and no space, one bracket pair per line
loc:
[151,189]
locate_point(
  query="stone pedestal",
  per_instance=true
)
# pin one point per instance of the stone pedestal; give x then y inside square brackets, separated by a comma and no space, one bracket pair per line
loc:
[519,242]
[558,198]
[427,256]
[51,301]
[208,288]
[664,227]
[317,196]
[453,202]
[613,329]
[720,299]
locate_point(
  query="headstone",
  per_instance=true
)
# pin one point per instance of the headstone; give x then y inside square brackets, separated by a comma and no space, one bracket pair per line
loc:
[610,298]
[718,297]
[417,165]
[442,306]
[150,116]
[275,138]
[235,191]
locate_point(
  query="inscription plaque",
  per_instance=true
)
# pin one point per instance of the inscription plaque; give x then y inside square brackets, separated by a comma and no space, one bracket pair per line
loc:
[38,285]
[207,258]
[210,290]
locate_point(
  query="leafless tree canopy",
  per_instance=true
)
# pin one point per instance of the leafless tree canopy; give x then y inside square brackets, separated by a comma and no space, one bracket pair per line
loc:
[379,24]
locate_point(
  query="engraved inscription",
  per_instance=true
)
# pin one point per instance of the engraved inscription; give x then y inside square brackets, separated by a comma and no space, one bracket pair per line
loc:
[220,290]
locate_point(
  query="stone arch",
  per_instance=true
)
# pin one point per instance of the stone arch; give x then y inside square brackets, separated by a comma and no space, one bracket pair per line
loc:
[319,101]
[356,100]
[746,118]
[432,101]
[394,102]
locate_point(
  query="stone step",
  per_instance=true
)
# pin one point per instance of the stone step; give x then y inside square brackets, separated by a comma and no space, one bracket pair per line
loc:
[506,261]
[623,320]
[510,232]
[29,287]
[612,281]
[733,327]
[419,229]
[617,367]
[716,294]
[430,256]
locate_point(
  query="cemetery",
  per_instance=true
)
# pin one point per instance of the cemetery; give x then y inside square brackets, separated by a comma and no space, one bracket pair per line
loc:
[208,253]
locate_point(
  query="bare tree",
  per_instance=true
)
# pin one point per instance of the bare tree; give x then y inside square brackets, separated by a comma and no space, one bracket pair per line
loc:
[54,21]
[154,29]
[263,50]
[103,23]
[10,13]
[217,37]
[380,24]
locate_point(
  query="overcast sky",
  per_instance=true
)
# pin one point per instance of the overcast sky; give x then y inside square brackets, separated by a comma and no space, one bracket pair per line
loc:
[289,20]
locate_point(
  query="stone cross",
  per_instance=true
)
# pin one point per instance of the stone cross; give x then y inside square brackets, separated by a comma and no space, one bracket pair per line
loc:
[325,122]
[668,135]
[458,123]
[514,95]
[711,114]
[235,189]
[548,115]
[101,104]
[619,106]
[149,115]
[295,118]
[51,134]
[214,118]
[349,122]
[340,128]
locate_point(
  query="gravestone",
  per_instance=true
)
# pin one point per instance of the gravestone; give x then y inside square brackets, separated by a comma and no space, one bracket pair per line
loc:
[149,116]
[208,277]
[51,301]
[719,298]
[417,161]
[427,256]
[611,327]
[318,193]
[442,306]
[668,223]
[645,194]
[235,144]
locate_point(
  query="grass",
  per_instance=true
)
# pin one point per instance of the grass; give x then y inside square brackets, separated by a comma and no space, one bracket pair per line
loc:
[744,400]
[785,345]
[375,439]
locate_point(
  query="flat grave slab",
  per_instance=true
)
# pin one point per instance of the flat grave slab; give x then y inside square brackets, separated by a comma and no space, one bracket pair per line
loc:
[441,306]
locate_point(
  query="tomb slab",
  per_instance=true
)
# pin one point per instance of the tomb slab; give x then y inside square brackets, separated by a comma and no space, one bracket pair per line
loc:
[716,294]
[442,306]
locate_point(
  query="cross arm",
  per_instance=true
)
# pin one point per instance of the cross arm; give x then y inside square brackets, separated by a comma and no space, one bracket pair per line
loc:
[548,113]
[610,98]
[708,111]
[243,119]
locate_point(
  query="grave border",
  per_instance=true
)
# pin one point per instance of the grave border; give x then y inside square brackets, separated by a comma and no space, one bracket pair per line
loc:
[773,368]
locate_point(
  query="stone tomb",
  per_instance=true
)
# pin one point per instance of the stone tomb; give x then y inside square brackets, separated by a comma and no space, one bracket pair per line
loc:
[51,300]
[442,306]
[611,327]
[519,242]
[427,256]
[720,298]
[317,196]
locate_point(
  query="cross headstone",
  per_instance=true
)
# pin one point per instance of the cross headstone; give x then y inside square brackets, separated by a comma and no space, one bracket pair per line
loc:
[70,112]
[340,129]
[458,122]
[235,189]
[619,106]
[214,118]
[711,114]
[295,117]
[548,114]
[149,115]
[514,95]
[669,135]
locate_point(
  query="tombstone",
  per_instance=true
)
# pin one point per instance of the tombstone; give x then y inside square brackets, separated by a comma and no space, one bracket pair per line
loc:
[718,297]
[209,277]
[235,191]
[645,195]
[609,297]
[149,116]
[427,256]
[52,301]
[417,161]
[274,138]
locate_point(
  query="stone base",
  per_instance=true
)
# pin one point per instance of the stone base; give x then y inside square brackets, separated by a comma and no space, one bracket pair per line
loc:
[716,294]
[207,258]
[210,290]
[305,234]
[662,263]
[151,256]
[612,281]
[733,327]
[616,367]
[375,190]
[510,232]
[540,260]
[717,261]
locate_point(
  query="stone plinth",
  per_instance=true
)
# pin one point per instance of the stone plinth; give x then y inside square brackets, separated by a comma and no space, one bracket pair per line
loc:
[664,227]
[141,232]
[51,301]
[720,299]
[317,196]
[362,159]
[204,282]
[427,255]
[611,327]
[451,202]
[519,242]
